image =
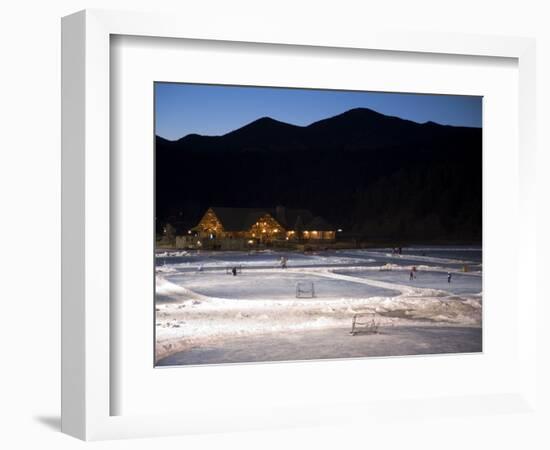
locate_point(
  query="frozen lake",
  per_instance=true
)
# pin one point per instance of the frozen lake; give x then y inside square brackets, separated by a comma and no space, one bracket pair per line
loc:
[395,341]
[460,283]
[206,315]
[255,284]
[470,254]
[452,258]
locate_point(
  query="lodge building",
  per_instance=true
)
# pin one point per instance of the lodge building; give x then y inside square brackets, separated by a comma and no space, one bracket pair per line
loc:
[262,225]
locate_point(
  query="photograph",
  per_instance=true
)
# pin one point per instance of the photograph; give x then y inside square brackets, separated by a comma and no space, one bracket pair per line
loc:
[297,224]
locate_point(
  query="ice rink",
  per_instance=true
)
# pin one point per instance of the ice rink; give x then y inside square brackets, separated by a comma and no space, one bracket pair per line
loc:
[279,284]
[461,283]
[203,309]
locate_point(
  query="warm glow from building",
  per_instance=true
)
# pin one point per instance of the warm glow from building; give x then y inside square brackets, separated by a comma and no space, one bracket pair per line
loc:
[265,230]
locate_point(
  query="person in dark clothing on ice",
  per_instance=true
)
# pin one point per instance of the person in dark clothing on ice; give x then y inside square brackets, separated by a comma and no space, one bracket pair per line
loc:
[449,276]
[234,271]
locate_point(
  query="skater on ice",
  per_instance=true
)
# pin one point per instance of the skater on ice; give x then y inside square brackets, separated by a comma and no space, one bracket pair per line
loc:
[449,276]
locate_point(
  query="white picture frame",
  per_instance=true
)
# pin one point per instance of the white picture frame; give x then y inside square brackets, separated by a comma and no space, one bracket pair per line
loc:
[87,325]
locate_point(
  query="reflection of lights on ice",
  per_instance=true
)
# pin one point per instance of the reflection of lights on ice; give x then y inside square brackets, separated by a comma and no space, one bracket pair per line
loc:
[339,230]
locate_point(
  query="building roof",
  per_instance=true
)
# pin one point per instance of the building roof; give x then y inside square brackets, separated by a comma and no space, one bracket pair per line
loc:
[319,224]
[238,219]
[297,218]
[241,219]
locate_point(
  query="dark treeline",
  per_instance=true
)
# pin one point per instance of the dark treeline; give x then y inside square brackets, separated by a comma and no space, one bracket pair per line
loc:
[370,174]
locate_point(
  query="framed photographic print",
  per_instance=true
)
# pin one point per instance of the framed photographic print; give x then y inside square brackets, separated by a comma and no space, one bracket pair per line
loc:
[258,225]
[350,232]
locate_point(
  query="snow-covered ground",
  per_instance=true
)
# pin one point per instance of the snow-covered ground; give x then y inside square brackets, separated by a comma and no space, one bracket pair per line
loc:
[200,306]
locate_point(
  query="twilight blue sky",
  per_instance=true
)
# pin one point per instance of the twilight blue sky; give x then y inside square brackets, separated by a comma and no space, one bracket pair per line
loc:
[182,109]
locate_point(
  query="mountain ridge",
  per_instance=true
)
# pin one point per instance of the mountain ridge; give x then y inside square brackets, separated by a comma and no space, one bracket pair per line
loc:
[361,170]
[267,119]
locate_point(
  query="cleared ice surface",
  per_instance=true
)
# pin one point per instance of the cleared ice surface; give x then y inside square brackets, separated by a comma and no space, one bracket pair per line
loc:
[272,285]
[211,308]
[449,254]
[269,259]
[469,254]
[460,283]
[436,257]
[384,256]
[393,341]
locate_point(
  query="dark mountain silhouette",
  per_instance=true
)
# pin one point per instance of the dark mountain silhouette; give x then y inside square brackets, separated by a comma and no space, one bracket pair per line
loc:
[376,175]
